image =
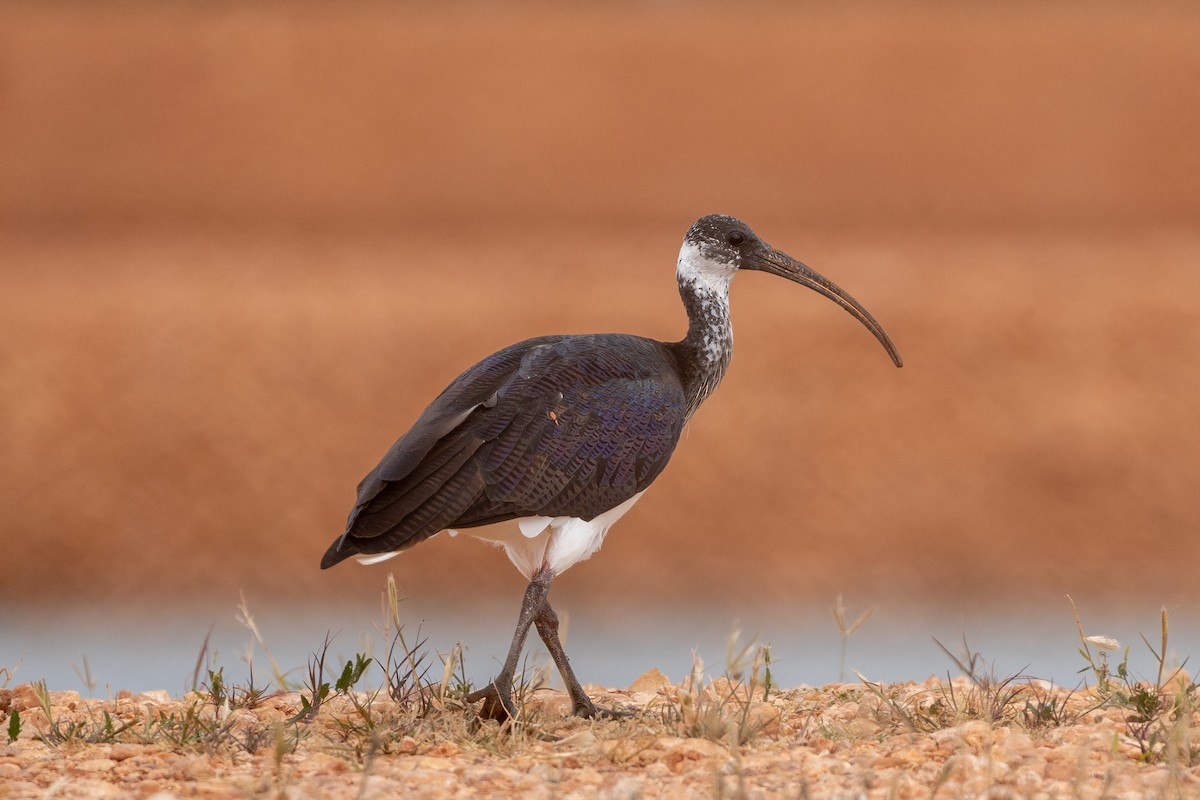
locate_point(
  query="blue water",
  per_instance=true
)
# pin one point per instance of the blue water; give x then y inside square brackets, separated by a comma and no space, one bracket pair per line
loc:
[158,648]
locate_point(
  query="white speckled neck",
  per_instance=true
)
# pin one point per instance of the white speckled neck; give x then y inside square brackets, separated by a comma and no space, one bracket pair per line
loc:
[704,286]
[707,275]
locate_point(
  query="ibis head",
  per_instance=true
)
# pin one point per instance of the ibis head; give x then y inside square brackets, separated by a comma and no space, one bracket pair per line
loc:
[718,246]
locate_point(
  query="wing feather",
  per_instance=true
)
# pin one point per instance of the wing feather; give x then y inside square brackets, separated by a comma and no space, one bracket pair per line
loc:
[556,426]
[600,424]
[396,500]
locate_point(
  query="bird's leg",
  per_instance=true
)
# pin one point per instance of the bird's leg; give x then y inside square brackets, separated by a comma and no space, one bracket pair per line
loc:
[581,705]
[547,627]
[499,692]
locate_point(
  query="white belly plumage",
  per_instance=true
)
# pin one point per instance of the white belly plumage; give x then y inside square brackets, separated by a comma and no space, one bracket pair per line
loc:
[534,543]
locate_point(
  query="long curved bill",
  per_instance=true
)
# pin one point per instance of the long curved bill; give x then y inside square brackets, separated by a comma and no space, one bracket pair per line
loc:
[783,265]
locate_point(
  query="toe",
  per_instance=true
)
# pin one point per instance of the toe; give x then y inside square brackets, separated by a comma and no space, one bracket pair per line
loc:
[497,704]
[613,713]
[585,710]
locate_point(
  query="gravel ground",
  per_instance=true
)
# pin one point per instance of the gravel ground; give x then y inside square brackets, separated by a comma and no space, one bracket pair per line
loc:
[841,740]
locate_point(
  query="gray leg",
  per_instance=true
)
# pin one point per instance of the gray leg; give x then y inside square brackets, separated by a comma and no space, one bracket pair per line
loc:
[547,627]
[498,695]
[581,704]
[535,610]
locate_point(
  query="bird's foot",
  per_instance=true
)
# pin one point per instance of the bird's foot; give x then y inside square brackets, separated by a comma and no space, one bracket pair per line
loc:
[584,707]
[614,713]
[497,704]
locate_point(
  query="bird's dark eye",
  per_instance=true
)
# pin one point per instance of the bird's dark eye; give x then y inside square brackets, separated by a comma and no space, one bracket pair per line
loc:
[735,238]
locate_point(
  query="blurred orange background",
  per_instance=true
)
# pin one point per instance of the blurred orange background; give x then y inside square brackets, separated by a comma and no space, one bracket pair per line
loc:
[243,246]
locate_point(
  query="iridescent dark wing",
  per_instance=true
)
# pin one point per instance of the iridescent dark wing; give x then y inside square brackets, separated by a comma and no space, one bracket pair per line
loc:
[556,426]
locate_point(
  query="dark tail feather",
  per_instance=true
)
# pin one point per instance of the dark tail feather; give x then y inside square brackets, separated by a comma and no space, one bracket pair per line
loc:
[341,549]
[389,506]
[441,510]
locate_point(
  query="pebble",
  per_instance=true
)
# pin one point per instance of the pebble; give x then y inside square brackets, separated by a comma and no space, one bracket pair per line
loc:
[649,681]
[122,751]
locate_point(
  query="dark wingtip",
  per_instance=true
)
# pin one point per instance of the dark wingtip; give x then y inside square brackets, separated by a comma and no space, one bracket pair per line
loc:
[339,551]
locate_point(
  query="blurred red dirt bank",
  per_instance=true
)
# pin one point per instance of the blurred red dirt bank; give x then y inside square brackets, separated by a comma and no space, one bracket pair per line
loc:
[243,248]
